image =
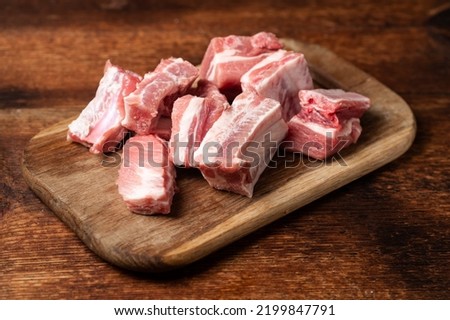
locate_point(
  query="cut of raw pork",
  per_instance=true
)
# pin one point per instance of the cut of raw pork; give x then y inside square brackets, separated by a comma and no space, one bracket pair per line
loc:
[146,176]
[207,89]
[240,144]
[228,58]
[156,93]
[216,102]
[280,76]
[329,107]
[188,116]
[192,117]
[327,123]
[99,124]
[318,141]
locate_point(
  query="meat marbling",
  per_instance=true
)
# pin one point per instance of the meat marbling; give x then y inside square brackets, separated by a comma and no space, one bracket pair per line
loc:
[156,93]
[228,58]
[146,177]
[280,76]
[240,144]
[192,117]
[99,124]
[327,123]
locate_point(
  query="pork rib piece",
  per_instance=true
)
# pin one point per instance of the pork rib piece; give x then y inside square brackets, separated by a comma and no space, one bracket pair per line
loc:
[318,141]
[228,58]
[329,107]
[280,76]
[156,93]
[192,117]
[240,144]
[99,124]
[189,114]
[216,102]
[327,123]
[146,177]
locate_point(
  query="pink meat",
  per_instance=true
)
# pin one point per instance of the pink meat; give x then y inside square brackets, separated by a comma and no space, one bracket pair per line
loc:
[228,58]
[99,124]
[320,142]
[156,93]
[240,144]
[327,122]
[280,76]
[192,117]
[216,102]
[146,177]
[189,115]
[329,107]
[207,89]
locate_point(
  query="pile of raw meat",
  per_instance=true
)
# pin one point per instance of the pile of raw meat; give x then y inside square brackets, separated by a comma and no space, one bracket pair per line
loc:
[226,118]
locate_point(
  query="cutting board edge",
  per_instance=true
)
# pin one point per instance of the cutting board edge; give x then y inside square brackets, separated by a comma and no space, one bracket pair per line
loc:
[187,253]
[95,244]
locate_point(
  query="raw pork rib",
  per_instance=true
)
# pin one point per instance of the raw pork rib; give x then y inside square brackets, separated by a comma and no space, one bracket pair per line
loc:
[228,58]
[188,117]
[327,123]
[98,125]
[280,76]
[156,93]
[243,141]
[192,117]
[320,142]
[146,177]
[329,107]
[216,101]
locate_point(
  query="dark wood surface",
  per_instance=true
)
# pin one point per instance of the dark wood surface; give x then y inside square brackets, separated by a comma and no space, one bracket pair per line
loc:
[202,220]
[384,236]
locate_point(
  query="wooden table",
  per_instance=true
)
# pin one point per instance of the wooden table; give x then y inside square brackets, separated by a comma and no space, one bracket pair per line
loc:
[385,236]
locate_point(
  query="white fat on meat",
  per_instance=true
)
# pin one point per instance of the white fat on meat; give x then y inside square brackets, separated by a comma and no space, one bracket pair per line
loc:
[320,142]
[234,152]
[189,114]
[192,117]
[156,93]
[280,76]
[228,58]
[146,179]
[330,107]
[99,124]
[329,121]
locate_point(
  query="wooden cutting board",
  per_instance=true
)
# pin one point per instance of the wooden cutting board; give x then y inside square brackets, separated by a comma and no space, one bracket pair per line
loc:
[80,187]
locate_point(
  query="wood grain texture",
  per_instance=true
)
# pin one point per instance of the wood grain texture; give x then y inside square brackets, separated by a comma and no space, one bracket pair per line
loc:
[383,236]
[80,187]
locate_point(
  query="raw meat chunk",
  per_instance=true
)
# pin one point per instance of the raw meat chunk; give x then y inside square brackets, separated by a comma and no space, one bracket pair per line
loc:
[99,124]
[318,141]
[329,107]
[156,93]
[327,122]
[240,144]
[280,76]
[146,177]
[215,101]
[228,58]
[189,114]
[192,118]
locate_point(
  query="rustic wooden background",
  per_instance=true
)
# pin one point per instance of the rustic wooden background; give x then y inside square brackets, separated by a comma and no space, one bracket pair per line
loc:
[385,236]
